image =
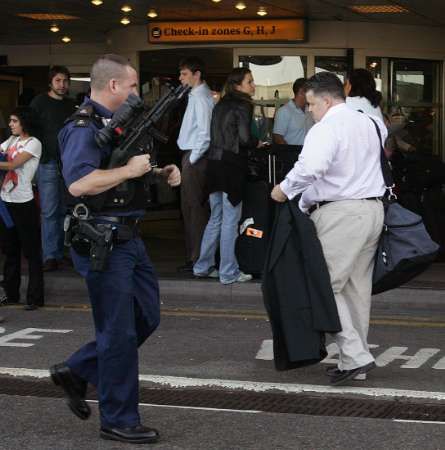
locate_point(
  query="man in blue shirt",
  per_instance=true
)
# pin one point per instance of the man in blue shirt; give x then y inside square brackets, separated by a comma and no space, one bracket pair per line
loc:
[194,141]
[292,121]
[125,294]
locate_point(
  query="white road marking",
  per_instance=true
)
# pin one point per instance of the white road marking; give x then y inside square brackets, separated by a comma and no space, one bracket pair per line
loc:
[388,356]
[248,411]
[27,334]
[253,386]
[414,361]
[440,364]
[419,421]
[266,350]
[33,373]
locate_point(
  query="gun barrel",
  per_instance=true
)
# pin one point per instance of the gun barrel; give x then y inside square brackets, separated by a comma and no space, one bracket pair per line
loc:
[145,123]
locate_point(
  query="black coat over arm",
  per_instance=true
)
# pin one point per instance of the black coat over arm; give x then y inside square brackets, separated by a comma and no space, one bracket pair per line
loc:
[297,291]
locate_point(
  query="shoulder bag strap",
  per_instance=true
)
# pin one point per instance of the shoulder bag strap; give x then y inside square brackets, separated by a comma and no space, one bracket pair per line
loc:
[386,167]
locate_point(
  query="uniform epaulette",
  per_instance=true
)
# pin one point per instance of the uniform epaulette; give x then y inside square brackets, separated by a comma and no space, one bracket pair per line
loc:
[83,116]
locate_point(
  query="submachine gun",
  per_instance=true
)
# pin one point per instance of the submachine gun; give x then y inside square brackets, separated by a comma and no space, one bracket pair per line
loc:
[133,127]
[131,132]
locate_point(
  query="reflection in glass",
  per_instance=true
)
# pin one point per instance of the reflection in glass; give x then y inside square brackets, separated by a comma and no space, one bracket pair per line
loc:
[414,80]
[374,65]
[335,64]
[274,77]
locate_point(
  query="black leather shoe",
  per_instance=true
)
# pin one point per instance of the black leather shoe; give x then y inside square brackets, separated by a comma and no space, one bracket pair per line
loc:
[341,376]
[334,370]
[30,307]
[134,435]
[75,389]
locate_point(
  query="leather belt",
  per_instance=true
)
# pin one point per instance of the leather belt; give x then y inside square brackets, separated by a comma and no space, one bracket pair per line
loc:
[320,204]
[121,220]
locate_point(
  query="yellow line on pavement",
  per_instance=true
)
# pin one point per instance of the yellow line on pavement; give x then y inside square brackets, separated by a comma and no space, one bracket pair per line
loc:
[413,322]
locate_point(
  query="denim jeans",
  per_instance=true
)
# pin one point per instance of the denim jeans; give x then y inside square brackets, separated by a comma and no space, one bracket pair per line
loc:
[51,192]
[221,229]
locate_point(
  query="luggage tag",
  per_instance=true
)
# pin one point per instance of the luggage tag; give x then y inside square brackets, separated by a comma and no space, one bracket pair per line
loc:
[253,232]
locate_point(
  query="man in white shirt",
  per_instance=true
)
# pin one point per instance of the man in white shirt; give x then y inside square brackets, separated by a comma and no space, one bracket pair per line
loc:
[339,176]
[194,140]
[292,121]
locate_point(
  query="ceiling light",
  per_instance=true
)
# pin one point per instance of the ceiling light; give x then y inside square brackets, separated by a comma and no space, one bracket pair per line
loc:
[66,39]
[262,11]
[49,17]
[378,9]
[126,8]
[152,14]
[240,6]
[125,20]
[54,28]
[374,64]
[216,1]
[96,2]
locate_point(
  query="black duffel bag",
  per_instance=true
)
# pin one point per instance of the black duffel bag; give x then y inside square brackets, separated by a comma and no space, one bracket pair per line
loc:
[405,248]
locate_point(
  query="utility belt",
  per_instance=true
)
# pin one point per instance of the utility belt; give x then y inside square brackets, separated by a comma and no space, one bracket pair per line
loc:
[95,236]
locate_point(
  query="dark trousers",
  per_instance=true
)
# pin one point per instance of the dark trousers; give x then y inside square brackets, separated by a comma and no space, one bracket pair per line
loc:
[125,304]
[194,204]
[24,236]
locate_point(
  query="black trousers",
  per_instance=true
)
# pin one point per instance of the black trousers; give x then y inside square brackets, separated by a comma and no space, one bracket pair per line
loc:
[194,205]
[23,237]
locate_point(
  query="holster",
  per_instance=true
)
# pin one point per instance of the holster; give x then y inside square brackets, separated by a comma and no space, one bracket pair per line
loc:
[90,239]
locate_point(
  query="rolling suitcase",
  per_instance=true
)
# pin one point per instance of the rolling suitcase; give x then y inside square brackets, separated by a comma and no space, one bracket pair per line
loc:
[270,168]
[254,227]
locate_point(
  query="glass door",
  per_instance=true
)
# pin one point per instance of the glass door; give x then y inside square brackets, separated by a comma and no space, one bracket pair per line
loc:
[274,76]
[412,93]
[415,94]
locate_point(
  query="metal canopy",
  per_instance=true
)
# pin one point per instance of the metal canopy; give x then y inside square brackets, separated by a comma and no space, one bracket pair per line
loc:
[94,22]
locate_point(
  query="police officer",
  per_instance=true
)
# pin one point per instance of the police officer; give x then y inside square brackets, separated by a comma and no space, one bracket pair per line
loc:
[124,296]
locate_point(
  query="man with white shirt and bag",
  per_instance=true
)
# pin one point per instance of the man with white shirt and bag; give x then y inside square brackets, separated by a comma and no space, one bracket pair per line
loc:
[340,178]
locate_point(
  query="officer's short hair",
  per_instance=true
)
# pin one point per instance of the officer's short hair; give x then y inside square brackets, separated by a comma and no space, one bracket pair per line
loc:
[299,83]
[193,63]
[106,68]
[326,83]
[55,70]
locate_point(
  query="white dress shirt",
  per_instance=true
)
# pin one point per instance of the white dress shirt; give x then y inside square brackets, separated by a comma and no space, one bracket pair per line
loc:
[195,129]
[340,160]
[363,104]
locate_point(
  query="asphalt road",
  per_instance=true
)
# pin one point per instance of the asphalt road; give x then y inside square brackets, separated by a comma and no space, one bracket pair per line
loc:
[204,341]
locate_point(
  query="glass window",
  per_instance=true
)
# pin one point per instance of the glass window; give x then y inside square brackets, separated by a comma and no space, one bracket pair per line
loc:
[374,65]
[335,64]
[415,96]
[274,77]
[414,81]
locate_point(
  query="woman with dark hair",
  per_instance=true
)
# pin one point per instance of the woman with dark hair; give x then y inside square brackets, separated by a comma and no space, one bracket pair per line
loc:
[362,94]
[230,139]
[21,153]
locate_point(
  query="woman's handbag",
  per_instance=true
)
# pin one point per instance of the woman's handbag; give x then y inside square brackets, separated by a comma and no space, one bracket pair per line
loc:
[405,249]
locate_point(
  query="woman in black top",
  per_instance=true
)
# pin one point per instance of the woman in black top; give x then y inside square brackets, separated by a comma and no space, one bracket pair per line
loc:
[230,139]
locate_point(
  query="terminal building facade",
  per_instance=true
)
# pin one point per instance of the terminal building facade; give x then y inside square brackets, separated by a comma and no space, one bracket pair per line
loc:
[401,43]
